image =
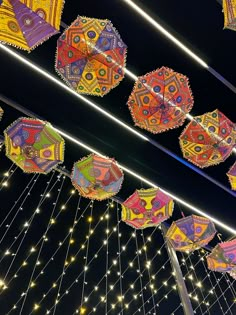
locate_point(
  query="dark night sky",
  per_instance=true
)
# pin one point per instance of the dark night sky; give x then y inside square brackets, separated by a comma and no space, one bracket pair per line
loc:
[200,26]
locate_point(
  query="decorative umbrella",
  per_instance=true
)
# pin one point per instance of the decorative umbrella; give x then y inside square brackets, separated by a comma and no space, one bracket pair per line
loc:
[160,100]
[190,233]
[146,208]
[34,145]
[26,24]
[91,56]
[97,177]
[208,139]
[229,9]
[223,257]
[232,176]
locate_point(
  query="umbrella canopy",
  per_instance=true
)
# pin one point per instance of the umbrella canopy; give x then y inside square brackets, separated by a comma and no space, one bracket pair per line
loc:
[232,176]
[91,56]
[26,24]
[208,139]
[97,177]
[160,100]
[229,9]
[147,208]
[223,257]
[34,145]
[190,233]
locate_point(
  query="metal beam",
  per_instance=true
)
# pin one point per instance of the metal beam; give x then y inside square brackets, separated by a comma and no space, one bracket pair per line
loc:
[183,293]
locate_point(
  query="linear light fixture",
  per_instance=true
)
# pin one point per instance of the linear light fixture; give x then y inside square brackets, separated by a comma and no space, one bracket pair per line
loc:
[178,43]
[68,89]
[150,183]
[105,113]
[139,177]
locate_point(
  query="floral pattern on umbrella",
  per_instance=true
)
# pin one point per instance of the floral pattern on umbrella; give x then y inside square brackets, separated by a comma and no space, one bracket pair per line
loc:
[26,23]
[97,177]
[147,208]
[208,139]
[229,9]
[223,257]
[34,145]
[232,176]
[190,233]
[91,56]
[160,100]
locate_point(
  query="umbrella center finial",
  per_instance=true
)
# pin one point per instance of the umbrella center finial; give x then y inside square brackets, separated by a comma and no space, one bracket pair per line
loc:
[162,106]
[96,186]
[29,152]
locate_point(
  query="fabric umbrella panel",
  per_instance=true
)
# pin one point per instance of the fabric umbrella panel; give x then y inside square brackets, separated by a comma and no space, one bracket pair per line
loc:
[34,145]
[229,9]
[190,233]
[208,139]
[223,258]
[232,176]
[97,177]
[26,24]
[147,208]
[91,56]
[160,100]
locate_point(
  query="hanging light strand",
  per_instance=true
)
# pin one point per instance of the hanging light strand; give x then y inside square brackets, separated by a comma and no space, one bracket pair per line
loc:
[29,223]
[41,248]
[67,254]
[28,186]
[86,257]
[149,274]
[51,257]
[18,210]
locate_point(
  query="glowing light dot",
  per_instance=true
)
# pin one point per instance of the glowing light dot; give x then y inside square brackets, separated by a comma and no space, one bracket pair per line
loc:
[36,307]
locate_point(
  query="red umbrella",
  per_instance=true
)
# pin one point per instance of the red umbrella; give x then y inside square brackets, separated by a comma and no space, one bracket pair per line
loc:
[160,100]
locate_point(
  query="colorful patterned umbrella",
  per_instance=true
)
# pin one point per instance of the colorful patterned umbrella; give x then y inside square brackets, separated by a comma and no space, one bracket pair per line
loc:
[208,139]
[147,208]
[229,9]
[96,177]
[232,176]
[34,145]
[160,100]
[223,257]
[26,23]
[191,233]
[91,56]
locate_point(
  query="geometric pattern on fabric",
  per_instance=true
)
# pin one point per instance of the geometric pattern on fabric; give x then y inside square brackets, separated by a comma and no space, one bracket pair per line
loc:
[34,145]
[229,10]
[91,56]
[25,23]
[208,139]
[223,258]
[147,208]
[190,233]
[232,176]
[160,100]
[97,177]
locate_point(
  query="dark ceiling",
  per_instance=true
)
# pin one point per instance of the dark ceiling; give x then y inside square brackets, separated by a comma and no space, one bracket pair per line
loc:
[200,26]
